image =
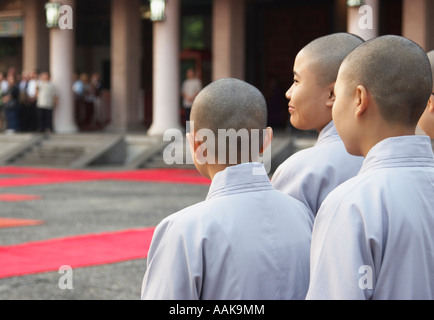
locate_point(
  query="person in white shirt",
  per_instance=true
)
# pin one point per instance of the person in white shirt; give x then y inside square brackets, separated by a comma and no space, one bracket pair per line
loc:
[46,102]
[246,241]
[309,175]
[373,236]
[189,91]
[4,85]
[32,85]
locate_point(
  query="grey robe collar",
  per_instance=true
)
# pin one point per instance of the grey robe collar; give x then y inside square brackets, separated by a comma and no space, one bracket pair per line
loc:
[248,177]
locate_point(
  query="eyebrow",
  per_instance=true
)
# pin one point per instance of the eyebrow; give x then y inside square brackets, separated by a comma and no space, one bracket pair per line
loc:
[296,74]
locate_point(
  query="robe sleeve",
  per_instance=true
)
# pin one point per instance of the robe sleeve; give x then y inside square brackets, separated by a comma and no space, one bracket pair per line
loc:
[342,267]
[174,267]
[299,181]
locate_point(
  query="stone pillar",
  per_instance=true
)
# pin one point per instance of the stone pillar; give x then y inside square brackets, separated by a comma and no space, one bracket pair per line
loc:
[125,65]
[228,39]
[166,71]
[62,47]
[35,39]
[364,21]
[417,24]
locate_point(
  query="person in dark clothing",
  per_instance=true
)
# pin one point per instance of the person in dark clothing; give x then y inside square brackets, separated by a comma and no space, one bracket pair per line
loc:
[11,105]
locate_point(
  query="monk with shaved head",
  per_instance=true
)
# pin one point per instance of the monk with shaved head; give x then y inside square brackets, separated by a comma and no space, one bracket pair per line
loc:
[373,234]
[246,241]
[310,175]
[236,106]
[426,122]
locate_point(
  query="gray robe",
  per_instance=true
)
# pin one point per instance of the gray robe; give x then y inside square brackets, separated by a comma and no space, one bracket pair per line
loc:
[374,235]
[246,241]
[311,174]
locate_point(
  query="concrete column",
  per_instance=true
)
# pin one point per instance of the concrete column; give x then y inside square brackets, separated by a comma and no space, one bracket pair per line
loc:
[417,24]
[228,39]
[125,65]
[364,21]
[166,71]
[35,39]
[62,47]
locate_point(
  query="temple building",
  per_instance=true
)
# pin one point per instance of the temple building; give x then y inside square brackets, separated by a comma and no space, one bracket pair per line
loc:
[142,61]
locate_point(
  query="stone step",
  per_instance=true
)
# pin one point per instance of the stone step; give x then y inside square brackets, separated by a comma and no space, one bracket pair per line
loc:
[46,157]
[16,144]
[76,151]
[128,152]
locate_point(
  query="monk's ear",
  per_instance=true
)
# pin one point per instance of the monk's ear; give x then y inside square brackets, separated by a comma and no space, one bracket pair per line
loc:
[199,150]
[190,139]
[268,138]
[431,104]
[193,144]
[362,97]
[332,97]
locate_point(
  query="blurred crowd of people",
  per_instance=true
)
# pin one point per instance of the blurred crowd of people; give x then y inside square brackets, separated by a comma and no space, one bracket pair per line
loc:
[28,99]
[89,111]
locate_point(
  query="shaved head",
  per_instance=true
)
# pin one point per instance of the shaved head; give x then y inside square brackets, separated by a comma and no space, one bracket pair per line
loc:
[235,112]
[229,104]
[328,52]
[396,71]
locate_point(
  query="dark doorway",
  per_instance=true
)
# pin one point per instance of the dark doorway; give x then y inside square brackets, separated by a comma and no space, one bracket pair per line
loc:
[276,31]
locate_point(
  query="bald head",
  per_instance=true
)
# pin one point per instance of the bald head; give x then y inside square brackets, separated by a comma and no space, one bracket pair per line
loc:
[229,104]
[396,71]
[328,52]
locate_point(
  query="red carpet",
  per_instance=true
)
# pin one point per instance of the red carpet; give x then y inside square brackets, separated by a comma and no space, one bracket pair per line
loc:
[23,177]
[84,250]
[14,223]
[80,251]
[9,197]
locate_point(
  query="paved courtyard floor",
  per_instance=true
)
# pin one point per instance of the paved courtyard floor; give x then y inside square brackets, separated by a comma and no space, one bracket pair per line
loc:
[42,210]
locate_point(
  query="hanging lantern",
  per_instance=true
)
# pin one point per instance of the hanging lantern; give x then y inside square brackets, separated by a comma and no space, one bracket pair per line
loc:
[158,10]
[52,13]
[355,3]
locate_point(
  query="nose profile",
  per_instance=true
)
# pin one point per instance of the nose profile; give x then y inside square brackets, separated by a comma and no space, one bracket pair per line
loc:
[288,93]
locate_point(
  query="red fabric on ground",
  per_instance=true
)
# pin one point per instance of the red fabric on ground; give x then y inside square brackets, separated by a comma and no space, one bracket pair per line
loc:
[13,223]
[76,252]
[11,197]
[84,250]
[34,176]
